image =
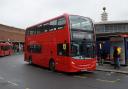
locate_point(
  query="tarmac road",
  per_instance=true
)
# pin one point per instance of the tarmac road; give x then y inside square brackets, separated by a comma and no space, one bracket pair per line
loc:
[17,74]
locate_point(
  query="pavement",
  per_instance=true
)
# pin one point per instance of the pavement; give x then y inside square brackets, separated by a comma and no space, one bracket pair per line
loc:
[110,68]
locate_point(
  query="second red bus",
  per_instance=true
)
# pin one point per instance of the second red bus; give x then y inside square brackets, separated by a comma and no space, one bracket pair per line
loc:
[6,49]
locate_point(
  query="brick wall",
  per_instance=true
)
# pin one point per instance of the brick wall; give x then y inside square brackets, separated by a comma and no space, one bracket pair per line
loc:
[11,33]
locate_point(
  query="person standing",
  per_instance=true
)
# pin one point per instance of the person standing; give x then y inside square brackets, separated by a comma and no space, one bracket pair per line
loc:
[101,60]
[116,56]
[102,54]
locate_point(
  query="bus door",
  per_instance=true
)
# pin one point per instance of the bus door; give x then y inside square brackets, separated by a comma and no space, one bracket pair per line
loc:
[63,53]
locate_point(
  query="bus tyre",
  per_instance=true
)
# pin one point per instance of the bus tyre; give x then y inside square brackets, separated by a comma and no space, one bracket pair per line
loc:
[30,61]
[52,65]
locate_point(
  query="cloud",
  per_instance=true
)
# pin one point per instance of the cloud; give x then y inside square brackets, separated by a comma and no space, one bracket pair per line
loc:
[23,13]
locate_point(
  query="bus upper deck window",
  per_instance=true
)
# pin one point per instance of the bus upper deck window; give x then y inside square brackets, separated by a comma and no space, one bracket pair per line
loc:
[61,23]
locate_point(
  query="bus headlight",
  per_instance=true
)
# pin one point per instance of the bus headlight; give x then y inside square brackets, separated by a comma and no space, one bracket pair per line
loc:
[72,62]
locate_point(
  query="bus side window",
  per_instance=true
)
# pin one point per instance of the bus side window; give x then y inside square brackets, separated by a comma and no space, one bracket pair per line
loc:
[2,47]
[31,31]
[34,48]
[46,27]
[39,29]
[27,32]
[61,23]
[37,48]
[53,25]
[35,30]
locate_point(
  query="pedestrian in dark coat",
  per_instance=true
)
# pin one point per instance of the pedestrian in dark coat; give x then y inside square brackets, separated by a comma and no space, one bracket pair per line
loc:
[102,57]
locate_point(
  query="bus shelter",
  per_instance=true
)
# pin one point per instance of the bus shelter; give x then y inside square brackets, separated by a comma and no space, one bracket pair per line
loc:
[107,42]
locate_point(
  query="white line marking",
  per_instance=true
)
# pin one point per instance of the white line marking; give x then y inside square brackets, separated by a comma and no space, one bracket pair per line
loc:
[15,84]
[80,76]
[106,81]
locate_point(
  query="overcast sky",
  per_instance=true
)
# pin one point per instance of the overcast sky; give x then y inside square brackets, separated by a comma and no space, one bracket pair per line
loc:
[24,13]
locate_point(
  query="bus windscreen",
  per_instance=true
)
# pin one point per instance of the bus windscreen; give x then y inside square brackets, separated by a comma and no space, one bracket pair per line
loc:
[82,37]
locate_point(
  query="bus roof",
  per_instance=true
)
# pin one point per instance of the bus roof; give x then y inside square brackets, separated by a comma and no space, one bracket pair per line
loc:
[65,14]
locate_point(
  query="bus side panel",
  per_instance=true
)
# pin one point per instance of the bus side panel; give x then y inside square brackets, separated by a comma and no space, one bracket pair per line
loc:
[49,41]
[1,53]
[45,55]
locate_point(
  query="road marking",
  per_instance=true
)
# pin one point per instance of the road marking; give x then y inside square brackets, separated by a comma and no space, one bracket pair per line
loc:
[80,76]
[12,83]
[117,80]
[15,84]
[102,80]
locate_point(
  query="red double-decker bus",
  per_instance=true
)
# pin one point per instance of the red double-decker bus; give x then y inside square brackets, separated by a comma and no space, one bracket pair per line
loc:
[6,49]
[65,43]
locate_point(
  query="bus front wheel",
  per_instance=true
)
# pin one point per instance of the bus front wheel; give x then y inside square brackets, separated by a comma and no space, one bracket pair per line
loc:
[52,65]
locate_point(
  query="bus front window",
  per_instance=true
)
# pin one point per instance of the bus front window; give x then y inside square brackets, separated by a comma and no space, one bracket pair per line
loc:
[85,50]
[82,37]
[80,23]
